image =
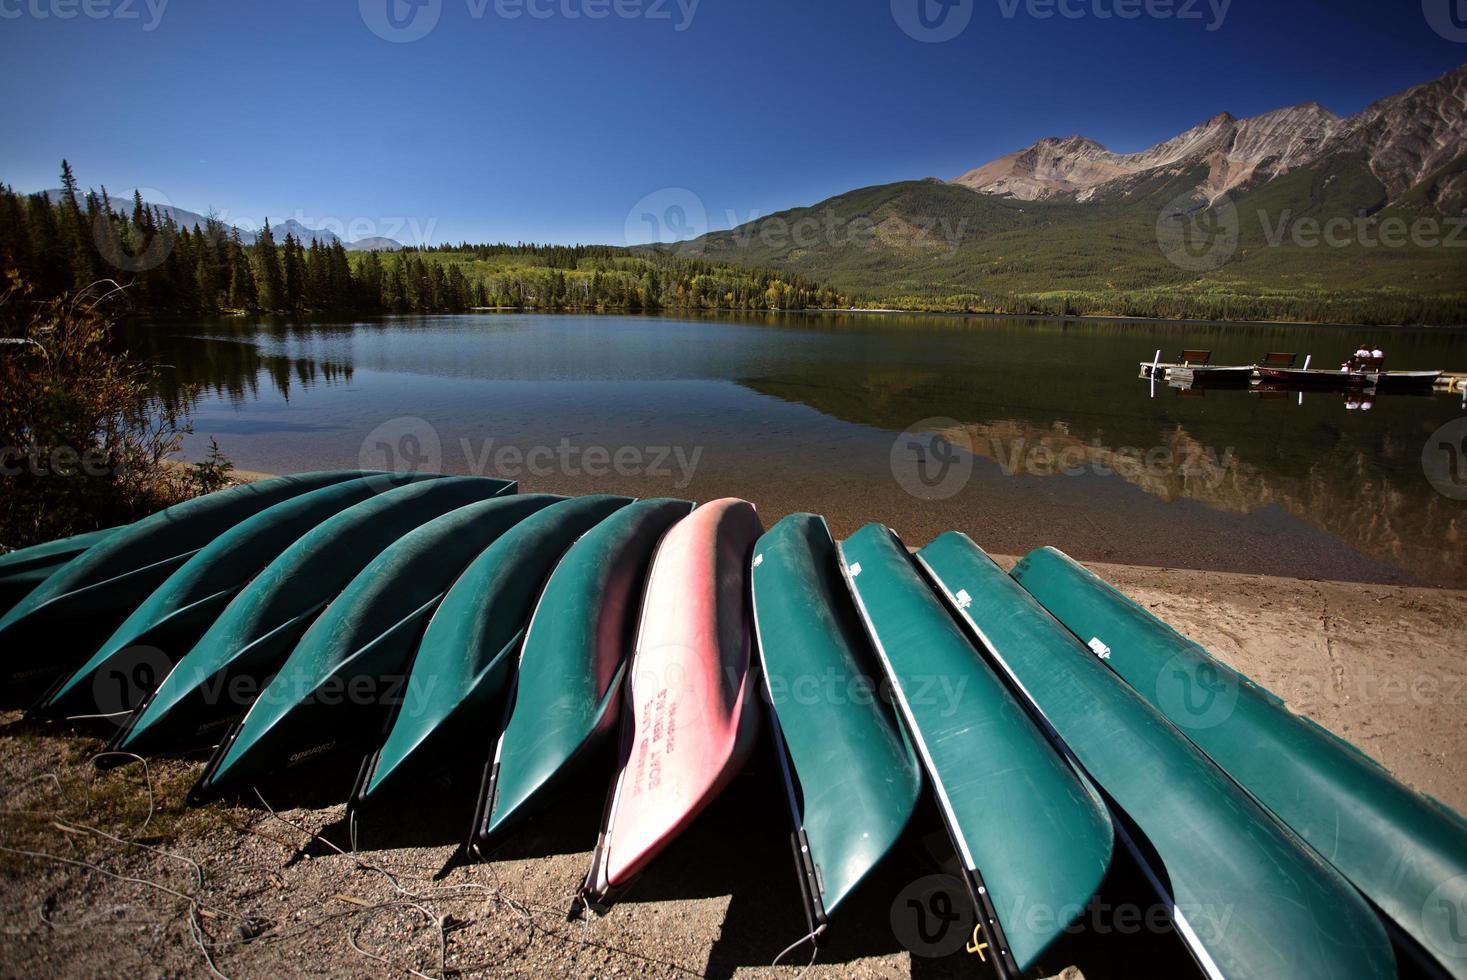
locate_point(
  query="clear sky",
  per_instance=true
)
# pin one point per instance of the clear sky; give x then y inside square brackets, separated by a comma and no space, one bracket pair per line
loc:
[540,120]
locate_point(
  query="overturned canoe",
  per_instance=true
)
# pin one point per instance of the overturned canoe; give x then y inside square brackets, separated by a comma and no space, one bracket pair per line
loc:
[851,775]
[1406,853]
[74,610]
[221,676]
[337,686]
[1248,899]
[1028,830]
[470,647]
[170,621]
[691,698]
[566,699]
[21,571]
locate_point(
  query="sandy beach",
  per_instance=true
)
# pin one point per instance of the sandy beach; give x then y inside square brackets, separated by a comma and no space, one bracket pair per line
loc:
[103,874]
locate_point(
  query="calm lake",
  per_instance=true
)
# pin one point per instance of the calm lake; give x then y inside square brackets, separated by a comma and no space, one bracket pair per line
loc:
[1019,432]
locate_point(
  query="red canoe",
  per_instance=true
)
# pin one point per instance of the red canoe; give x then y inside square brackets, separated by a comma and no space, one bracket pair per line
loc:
[693,711]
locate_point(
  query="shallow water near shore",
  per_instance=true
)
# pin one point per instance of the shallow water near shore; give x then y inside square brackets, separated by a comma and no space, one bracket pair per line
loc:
[1019,432]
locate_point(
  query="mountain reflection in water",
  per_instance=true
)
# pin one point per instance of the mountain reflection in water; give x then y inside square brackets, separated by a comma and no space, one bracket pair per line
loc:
[801,412]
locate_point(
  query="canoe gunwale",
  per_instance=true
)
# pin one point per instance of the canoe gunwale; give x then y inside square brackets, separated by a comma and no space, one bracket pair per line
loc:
[523,556]
[369,787]
[337,548]
[220,676]
[597,892]
[37,617]
[1274,721]
[210,787]
[47,708]
[1003,962]
[479,842]
[1118,822]
[1312,922]
[799,557]
[649,521]
[226,566]
[483,840]
[811,890]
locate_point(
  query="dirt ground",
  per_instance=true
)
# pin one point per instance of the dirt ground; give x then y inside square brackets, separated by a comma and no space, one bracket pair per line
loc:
[106,873]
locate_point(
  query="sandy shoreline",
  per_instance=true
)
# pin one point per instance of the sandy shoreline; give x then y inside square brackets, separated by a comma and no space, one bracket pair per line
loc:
[1379,665]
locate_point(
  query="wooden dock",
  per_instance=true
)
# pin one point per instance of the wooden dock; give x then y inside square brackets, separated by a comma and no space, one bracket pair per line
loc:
[1450,381]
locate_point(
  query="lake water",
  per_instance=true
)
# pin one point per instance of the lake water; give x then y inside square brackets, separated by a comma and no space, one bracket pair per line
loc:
[1024,432]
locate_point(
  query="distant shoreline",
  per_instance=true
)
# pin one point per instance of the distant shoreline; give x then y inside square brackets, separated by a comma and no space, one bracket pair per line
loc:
[1112,318]
[858,311]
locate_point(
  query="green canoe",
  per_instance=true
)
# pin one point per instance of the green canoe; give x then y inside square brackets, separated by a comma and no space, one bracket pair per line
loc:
[1406,853]
[852,776]
[134,659]
[71,613]
[1028,830]
[221,676]
[335,688]
[1249,900]
[21,571]
[470,649]
[566,694]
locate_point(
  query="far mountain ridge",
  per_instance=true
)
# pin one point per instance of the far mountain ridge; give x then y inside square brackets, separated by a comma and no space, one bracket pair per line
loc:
[191,219]
[1403,139]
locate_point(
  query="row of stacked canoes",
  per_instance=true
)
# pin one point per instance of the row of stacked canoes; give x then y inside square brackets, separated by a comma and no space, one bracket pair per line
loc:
[397,625]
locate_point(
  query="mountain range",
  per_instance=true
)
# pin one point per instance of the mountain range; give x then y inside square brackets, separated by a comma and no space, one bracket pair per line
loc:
[190,219]
[1403,140]
[1278,216]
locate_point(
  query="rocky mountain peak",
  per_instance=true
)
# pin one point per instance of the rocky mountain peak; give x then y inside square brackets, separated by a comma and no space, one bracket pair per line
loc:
[1405,137]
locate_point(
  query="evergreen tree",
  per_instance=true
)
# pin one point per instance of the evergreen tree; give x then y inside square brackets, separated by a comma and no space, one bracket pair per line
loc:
[294,266]
[271,286]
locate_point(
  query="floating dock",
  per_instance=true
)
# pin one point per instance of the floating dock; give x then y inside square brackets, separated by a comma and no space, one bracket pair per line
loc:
[1448,381]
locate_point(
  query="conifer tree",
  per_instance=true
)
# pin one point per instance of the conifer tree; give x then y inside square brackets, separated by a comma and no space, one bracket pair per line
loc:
[267,270]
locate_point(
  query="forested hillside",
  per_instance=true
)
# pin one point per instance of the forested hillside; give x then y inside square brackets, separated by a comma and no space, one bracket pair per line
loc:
[80,239]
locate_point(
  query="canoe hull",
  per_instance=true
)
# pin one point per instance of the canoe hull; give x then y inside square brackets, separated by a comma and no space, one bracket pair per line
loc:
[470,648]
[1289,914]
[852,778]
[72,612]
[1397,847]
[168,623]
[567,698]
[23,570]
[996,776]
[222,675]
[691,713]
[337,686]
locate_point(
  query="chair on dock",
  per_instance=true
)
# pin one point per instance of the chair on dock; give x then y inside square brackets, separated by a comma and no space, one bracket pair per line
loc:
[1280,359]
[1196,358]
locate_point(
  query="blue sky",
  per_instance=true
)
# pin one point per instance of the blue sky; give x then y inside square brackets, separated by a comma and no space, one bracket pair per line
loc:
[554,127]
